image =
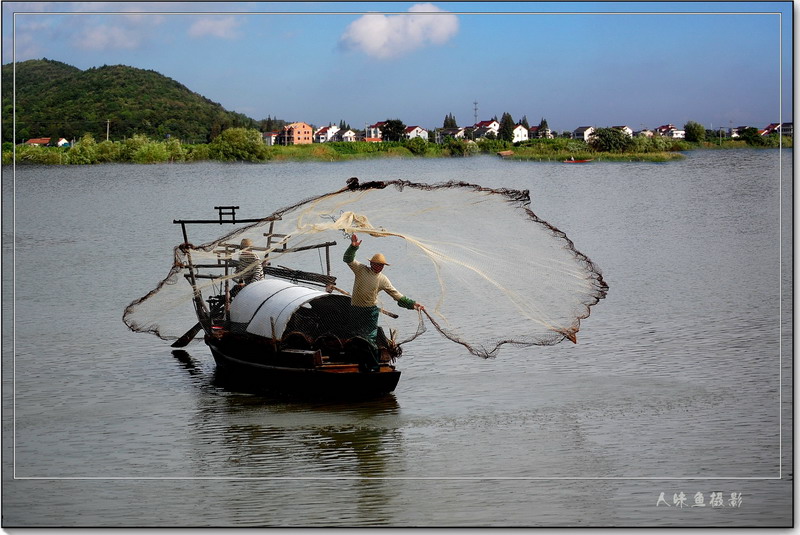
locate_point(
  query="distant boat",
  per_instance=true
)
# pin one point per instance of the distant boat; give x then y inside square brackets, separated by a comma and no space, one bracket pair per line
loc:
[505,153]
[578,161]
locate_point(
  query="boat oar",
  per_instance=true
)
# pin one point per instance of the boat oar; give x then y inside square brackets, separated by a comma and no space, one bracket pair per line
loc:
[390,314]
[188,336]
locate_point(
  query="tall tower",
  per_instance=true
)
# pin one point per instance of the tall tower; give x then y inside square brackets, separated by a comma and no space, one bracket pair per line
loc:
[476,111]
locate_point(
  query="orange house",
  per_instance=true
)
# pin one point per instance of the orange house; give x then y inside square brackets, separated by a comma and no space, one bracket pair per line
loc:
[295,134]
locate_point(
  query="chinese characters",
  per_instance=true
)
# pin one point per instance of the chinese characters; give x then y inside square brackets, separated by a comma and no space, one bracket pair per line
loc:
[716,500]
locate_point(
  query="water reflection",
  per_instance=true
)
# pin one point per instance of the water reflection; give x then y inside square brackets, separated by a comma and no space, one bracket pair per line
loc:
[256,430]
[187,362]
[342,448]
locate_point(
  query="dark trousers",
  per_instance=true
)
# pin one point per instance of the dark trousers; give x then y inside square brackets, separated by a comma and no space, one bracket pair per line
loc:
[364,322]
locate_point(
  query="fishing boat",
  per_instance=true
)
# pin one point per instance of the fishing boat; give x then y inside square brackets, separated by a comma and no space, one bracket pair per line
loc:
[578,161]
[289,332]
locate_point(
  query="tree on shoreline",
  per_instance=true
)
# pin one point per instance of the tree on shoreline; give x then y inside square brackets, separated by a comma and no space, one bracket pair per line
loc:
[506,132]
[543,128]
[610,140]
[393,130]
[694,131]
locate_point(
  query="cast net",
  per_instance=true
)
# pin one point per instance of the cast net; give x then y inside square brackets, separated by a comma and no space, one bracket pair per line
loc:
[488,271]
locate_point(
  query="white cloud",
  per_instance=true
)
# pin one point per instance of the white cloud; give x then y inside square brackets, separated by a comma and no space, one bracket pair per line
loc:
[104,37]
[390,36]
[222,27]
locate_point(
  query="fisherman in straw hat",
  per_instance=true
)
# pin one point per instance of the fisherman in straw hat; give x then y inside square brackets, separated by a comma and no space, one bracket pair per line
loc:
[249,264]
[368,282]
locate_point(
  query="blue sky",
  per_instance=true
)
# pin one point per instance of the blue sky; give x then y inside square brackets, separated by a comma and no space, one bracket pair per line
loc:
[573,63]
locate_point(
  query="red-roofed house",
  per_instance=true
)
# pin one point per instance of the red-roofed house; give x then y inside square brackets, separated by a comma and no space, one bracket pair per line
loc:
[373,132]
[38,141]
[786,129]
[534,132]
[325,134]
[415,131]
[484,128]
[664,129]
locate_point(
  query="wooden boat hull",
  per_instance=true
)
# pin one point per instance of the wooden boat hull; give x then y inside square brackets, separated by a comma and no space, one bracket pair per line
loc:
[577,161]
[331,380]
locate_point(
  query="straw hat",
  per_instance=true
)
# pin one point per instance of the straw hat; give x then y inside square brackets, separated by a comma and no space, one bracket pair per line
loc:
[378,258]
[247,242]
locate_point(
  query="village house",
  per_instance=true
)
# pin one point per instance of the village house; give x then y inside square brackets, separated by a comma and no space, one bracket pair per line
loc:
[345,135]
[520,134]
[664,129]
[373,132]
[785,129]
[482,129]
[40,141]
[270,137]
[295,134]
[326,134]
[583,132]
[674,133]
[737,131]
[624,129]
[534,132]
[455,133]
[415,131]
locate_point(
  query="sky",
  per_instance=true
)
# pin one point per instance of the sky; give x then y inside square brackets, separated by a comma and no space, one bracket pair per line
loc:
[721,64]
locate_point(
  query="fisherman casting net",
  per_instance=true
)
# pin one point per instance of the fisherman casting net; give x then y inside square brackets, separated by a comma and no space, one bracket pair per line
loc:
[488,271]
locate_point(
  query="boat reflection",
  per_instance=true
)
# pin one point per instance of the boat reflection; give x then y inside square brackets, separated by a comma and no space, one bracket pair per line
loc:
[317,449]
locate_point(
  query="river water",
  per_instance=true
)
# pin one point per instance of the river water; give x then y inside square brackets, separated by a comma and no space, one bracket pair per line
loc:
[680,385]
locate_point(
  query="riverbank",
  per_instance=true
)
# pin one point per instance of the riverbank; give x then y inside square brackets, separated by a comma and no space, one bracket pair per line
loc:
[246,145]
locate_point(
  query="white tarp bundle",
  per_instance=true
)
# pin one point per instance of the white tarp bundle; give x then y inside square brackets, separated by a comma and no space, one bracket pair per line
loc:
[269,304]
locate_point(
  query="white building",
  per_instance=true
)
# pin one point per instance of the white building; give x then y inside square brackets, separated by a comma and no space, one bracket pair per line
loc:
[416,131]
[345,135]
[520,134]
[625,129]
[536,133]
[484,128]
[455,133]
[373,132]
[326,134]
[583,132]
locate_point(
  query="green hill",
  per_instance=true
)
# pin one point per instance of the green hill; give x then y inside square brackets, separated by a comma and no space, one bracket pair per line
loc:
[54,99]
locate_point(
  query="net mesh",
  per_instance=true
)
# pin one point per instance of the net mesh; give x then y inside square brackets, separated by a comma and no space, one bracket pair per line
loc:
[488,271]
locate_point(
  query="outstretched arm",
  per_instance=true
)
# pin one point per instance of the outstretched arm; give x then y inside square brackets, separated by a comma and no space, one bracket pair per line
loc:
[403,301]
[350,254]
[407,302]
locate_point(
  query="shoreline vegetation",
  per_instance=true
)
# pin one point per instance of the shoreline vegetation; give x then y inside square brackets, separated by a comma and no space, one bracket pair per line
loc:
[246,145]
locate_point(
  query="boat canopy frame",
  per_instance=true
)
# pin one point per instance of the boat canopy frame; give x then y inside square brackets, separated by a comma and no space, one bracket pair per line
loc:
[227,215]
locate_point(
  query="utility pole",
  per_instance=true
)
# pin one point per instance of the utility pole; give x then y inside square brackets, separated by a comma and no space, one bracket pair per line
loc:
[108,127]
